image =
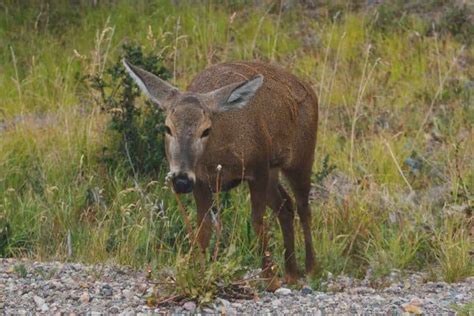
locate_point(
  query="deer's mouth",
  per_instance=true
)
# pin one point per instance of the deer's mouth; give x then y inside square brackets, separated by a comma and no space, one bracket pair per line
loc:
[182,184]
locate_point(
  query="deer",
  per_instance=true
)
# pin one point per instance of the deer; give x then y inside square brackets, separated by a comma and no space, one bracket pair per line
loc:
[254,120]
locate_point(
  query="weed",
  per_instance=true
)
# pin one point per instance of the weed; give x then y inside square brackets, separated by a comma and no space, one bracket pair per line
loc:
[20,270]
[465,309]
[83,183]
[326,169]
[453,251]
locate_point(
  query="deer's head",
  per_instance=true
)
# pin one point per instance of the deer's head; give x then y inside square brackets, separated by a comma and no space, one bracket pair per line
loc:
[189,116]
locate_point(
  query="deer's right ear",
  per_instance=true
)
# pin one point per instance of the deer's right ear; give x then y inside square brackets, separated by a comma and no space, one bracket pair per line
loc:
[155,88]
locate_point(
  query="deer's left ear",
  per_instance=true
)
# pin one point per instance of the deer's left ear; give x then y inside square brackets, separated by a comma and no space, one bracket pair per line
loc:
[155,88]
[236,95]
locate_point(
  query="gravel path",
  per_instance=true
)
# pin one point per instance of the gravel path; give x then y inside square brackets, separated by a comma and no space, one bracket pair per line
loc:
[49,288]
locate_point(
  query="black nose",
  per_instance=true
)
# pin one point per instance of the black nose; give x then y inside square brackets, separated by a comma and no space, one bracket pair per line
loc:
[182,184]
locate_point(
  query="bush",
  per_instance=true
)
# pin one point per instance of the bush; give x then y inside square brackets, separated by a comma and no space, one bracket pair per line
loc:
[137,142]
[458,22]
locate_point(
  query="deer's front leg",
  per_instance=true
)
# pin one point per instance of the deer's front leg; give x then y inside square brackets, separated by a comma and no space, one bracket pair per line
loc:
[203,198]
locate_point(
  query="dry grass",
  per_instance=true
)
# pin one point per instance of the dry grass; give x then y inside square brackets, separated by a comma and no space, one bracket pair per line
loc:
[396,121]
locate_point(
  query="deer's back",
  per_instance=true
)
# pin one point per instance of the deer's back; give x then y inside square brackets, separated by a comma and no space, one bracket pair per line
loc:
[278,125]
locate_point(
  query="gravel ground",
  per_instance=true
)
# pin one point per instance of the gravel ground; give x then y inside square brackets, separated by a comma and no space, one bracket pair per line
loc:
[49,288]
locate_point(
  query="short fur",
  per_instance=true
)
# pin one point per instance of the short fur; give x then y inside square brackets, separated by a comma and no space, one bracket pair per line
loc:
[275,132]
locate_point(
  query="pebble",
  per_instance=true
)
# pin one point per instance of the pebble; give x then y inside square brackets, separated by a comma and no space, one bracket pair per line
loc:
[38,300]
[106,290]
[306,290]
[85,297]
[114,310]
[208,310]
[44,308]
[127,294]
[189,306]
[283,291]
[77,289]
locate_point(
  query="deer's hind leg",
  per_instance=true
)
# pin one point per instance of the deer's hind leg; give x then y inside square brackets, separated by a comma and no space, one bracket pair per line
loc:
[281,204]
[300,181]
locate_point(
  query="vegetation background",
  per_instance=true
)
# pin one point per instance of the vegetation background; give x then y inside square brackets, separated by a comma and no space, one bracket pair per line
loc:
[81,161]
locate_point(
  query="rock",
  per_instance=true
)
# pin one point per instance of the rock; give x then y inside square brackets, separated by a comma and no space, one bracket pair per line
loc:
[378,299]
[85,297]
[127,294]
[44,308]
[106,290]
[208,310]
[190,306]
[362,290]
[38,300]
[416,301]
[306,290]
[23,295]
[409,308]
[143,287]
[114,310]
[283,291]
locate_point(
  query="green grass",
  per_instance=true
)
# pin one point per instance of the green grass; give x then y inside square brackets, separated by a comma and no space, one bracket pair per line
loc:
[386,94]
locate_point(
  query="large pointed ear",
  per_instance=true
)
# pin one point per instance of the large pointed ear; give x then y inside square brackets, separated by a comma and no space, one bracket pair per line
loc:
[155,88]
[235,95]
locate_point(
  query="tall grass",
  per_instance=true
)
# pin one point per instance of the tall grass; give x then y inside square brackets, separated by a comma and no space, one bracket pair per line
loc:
[396,115]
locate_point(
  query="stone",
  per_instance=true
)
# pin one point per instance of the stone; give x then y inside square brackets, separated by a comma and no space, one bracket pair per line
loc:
[416,301]
[189,306]
[362,290]
[283,291]
[85,297]
[127,294]
[223,302]
[208,310]
[44,308]
[276,303]
[114,310]
[106,290]
[143,287]
[38,300]
[306,290]
[409,308]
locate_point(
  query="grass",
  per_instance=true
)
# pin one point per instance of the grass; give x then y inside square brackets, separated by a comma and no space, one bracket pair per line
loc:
[396,116]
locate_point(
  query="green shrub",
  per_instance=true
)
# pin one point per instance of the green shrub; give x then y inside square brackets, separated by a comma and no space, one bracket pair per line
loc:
[136,132]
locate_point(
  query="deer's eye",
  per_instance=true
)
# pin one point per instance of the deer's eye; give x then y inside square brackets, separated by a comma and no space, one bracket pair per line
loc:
[206,132]
[167,130]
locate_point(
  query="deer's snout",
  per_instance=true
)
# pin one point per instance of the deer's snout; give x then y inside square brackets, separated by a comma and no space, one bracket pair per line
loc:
[182,184]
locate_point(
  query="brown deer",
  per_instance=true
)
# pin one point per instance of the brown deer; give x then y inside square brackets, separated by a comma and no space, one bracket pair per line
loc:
[255,120]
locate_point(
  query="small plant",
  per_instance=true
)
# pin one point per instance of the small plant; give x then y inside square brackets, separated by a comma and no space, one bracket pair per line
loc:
[202,281]
[458,22]
[452,249]
[325,170]
[5,232]
[136,131]
[464,310]
[392,249]
[20,270]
